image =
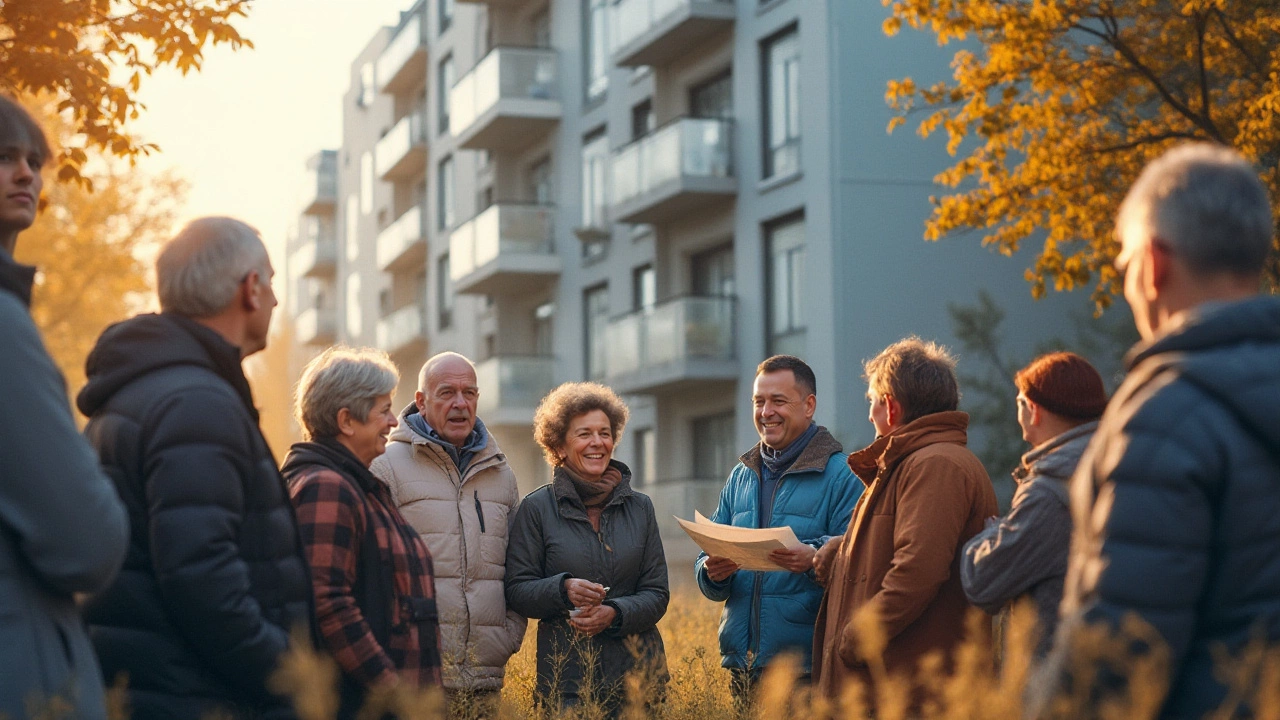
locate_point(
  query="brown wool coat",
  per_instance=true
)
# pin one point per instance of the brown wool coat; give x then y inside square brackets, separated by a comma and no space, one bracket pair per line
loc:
[927,494]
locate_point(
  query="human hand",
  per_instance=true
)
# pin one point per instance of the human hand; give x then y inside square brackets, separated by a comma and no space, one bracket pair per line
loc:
[847,647]
[796,560]
[584,593]
[823,559]
[719,568]
[593,620]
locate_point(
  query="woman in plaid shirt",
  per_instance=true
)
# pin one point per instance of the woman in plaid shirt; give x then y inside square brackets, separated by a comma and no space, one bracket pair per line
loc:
[371,573]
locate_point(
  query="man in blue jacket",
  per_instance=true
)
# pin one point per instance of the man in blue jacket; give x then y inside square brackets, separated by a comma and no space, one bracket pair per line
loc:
[1176,503]
[797,476]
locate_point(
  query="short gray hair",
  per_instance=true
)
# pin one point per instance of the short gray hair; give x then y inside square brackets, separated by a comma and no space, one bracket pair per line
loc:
[1207,202]
[198,271]
[341,377]
[430,365]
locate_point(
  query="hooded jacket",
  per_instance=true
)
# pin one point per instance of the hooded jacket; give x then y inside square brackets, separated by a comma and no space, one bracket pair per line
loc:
[552,539]
[215,577]
[63,530]
[927,494]
[1177,501]
[766,613]
[463,518]
[1024,554]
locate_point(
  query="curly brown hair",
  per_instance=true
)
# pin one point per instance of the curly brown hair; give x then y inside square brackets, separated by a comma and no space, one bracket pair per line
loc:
[570,400]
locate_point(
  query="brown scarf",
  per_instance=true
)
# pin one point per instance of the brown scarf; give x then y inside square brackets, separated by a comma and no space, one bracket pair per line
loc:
[594,494]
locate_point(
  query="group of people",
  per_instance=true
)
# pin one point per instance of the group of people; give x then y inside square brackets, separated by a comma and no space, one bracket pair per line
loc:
[164,546]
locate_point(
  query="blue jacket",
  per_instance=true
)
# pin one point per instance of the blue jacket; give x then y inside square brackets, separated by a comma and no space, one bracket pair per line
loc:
[766,613]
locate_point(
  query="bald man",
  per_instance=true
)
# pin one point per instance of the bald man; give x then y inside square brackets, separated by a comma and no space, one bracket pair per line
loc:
[452,482]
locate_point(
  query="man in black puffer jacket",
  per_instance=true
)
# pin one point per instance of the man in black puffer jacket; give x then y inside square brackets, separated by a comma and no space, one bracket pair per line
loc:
[1176,503]
[215,577]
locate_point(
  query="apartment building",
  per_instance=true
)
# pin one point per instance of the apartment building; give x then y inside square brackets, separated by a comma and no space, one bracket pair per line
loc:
[654,194]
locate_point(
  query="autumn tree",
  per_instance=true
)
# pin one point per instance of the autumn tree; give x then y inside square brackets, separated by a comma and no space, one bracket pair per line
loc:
[92,248]
[1054,106]
[93,55]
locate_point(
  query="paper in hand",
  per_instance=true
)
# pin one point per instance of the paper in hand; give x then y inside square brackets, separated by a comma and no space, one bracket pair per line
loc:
[748,547]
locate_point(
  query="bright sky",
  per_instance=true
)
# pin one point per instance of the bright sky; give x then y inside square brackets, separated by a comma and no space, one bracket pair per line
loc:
[240,131]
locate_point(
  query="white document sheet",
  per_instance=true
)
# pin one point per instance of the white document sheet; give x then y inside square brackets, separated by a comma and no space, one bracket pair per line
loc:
[749,547]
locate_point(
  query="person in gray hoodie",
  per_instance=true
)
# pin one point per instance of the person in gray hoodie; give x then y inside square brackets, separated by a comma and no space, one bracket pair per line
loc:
[63,529]
[1024,554]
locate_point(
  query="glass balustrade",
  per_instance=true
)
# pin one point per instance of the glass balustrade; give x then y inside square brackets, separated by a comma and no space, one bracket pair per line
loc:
[500,230]
[513,382]
[400,236]
[689,147]
[677,330]
[504,74]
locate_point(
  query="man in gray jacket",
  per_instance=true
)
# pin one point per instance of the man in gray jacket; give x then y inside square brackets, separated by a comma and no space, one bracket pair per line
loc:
[1024,554]
[63,529]
[452,482]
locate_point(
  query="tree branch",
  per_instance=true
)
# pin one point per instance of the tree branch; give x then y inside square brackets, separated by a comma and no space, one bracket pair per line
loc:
[1237,44]
[1146,140]
[1201,22]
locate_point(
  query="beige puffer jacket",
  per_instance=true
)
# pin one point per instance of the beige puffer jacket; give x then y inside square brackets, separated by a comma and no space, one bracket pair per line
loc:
[477,632]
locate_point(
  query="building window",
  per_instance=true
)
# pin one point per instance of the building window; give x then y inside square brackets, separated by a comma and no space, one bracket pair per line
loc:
[782,103]
[645,469]
[353,226]
[596,48]
[541,184]
[713,450]
[353,305]
[785,247]
[713,272]
[368,86]
[446,14]
[644,288]
[595,168]
[445,78]
[444,194]
[444,292]
[384,302]
[543,316]
[366,183]
[713,98]
[595,315]
[642,120]
[541,22]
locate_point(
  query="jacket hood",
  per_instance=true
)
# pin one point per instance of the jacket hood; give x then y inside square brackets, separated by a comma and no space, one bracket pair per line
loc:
[404,434]
[813,457]
[144,344]
[887,451]
[326,453]
[1057,459]
[1232,352]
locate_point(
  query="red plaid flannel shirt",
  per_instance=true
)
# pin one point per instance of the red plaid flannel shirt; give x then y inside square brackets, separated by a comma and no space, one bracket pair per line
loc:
[333,520]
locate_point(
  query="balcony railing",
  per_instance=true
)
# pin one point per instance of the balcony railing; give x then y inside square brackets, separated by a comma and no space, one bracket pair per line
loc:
[680,498]
[683,340]
[403,329]
[512,386]
[672,170]
[507,100]
[404,242]
[653,31]
[403,63]
[402,152]
[505,249]
[322,185]
[315,326]
[317,256]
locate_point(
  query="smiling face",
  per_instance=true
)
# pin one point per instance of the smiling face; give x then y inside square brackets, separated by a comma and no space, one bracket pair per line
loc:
[588,445]
[20,185]
[368,438]
[782,411]
[449,402]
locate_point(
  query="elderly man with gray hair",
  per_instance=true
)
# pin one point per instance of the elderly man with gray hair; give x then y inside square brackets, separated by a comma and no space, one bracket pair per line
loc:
[453,484]
[215,577]
[1176,503]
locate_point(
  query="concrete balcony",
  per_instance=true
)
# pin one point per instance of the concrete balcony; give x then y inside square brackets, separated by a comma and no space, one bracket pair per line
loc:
[652,32]
[404,330]
[315,327]
[403,64]
[509,99]
[401,154]
[679,498]
[322,184]
[507,249]
[317,256]
[511,387]
[403,243]
[671,346]
[678,169]
[498,3]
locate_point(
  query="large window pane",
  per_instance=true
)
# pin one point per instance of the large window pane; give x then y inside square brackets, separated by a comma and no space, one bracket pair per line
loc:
[713,451]
[713,98]
[786,250]
[445,80]
[595,164]
[782,103]
[444,292]
[596,47]
[595,304]
[444,194]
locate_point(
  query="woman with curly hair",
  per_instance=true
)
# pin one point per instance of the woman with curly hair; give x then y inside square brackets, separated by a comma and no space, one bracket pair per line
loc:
[585,557]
